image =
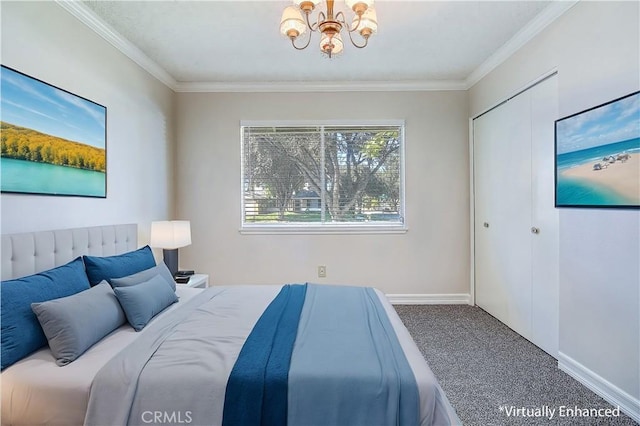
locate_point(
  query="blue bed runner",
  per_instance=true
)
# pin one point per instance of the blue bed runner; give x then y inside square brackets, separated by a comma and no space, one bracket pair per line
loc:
[257,388]
[348,367]
[322,355]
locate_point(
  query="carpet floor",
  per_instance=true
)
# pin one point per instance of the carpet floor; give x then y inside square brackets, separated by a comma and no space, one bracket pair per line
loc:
[488,371]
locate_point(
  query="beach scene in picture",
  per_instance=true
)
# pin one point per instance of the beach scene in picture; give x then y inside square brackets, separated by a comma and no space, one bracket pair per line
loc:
[53,142]
[598,156]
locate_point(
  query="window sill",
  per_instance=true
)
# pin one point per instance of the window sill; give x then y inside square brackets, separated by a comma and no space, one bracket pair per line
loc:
[322,230]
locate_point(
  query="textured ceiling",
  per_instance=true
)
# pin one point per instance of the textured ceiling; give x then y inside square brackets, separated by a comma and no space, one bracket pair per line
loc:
[239,41]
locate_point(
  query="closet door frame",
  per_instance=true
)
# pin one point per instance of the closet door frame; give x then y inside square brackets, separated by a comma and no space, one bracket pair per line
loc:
[472,210]
[534,332]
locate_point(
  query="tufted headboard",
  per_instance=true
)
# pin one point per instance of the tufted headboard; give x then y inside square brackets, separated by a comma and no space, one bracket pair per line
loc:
[32,252]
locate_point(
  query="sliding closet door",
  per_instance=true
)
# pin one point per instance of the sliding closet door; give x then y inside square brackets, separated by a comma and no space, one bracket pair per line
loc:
[516,223]
[544,243]
[516,214]
[503,213]
[489,137]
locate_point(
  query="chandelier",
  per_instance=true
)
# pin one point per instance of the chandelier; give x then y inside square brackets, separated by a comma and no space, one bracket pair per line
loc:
[293,24]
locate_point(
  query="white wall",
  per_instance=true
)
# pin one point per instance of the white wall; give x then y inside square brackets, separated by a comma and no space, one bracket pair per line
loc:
[431,258]
[44,41]
[596,48]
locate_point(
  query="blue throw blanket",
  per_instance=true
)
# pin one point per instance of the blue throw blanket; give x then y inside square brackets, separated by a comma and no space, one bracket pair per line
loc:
[344,366]
[257,387]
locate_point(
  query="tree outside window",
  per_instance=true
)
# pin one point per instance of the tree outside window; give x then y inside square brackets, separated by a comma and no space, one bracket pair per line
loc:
[321,175]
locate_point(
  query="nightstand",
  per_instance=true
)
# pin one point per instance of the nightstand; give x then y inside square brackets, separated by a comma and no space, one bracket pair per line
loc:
[196,280]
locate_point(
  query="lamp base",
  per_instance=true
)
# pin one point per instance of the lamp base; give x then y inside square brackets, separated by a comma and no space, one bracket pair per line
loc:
[171,260]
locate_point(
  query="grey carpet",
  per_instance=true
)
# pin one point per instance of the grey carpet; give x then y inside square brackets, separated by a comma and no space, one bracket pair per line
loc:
[482,365]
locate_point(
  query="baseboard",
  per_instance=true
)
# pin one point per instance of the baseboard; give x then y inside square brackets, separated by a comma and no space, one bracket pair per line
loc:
[607,390]
[429,299]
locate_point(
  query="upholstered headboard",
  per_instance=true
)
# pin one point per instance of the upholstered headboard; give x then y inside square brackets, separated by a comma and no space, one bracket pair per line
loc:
[32,252]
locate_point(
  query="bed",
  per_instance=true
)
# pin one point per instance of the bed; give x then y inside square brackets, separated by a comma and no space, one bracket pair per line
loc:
[201,360]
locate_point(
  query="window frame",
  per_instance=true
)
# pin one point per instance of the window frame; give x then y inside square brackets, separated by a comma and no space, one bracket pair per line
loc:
[327,227]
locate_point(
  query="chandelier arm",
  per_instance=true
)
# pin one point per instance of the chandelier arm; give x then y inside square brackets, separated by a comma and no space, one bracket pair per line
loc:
[293,43]
[357,24]
[341,17]
[359,46]
[338,17]
[319,20]
[312,27]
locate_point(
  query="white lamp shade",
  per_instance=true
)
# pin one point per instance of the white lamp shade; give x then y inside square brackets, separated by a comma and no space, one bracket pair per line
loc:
[292,23]
[369,21]
[331,45]
[171,234]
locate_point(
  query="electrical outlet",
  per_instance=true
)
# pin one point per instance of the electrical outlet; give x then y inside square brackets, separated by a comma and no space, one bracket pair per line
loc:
[322,271]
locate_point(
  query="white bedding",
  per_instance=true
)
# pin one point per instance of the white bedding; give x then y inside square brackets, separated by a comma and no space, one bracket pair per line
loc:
[37,391]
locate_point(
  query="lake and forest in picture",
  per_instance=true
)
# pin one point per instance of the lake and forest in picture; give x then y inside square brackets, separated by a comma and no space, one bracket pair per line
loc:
[52,142]
[598,156]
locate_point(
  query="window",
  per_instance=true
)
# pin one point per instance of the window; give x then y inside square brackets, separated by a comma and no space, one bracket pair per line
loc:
[322,177]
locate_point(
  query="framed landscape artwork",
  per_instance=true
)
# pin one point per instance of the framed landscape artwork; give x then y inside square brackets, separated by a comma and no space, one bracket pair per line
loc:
[53,142]
[598,156]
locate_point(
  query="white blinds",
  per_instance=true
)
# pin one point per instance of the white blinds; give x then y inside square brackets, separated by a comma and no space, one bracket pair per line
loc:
[322,174]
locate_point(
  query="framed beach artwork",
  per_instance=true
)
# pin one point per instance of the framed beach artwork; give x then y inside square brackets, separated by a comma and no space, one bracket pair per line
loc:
[53,142]
[598,156]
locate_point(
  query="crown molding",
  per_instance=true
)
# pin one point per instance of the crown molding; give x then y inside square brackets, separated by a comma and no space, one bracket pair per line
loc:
[533,28]
[522,37]
[95,23]
[322,86]
[104,30]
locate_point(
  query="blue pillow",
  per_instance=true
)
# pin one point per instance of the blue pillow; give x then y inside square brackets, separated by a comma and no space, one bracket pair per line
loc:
[140,277]
[144,301]
[74,323]
[21,332]
[105,268]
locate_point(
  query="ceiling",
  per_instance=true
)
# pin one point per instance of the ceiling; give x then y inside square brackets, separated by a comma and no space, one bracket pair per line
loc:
[192,45]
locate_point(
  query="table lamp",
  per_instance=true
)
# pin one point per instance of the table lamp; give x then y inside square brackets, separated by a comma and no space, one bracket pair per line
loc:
[170,235]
